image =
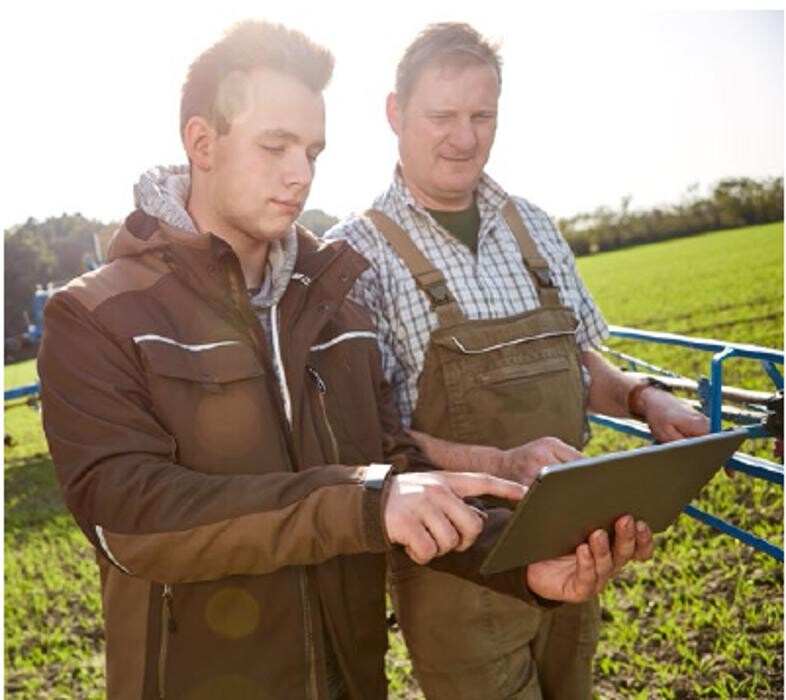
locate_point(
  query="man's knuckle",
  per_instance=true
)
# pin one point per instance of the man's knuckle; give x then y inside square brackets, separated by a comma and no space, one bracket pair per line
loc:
[475,529]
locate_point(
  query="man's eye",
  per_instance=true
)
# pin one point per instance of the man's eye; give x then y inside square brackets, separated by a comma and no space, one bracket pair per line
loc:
[273,149]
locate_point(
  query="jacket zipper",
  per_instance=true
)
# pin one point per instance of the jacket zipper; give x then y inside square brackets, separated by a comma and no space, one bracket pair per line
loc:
[311,656]
[321,391]
[312,683]
[312,687]
[168,626]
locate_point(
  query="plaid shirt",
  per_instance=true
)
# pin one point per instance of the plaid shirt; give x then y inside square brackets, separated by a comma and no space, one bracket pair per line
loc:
[492,285]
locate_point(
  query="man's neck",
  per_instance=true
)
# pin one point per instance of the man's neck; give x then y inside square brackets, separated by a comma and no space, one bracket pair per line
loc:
[251,253]
[440,202]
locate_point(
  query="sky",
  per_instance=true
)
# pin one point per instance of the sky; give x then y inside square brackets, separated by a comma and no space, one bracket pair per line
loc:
[596,104]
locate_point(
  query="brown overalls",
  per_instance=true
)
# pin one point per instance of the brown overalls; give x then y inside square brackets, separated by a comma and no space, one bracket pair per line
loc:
[500,382]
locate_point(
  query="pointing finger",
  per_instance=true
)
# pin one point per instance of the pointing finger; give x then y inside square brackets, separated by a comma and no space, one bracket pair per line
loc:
[466,484]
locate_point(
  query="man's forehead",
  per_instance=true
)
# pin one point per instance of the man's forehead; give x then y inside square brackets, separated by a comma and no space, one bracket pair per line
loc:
[440,81]
[273,104]
[449,70]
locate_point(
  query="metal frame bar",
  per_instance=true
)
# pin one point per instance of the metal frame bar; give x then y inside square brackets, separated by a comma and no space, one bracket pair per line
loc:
[752,466]
[729,529]
[22,391]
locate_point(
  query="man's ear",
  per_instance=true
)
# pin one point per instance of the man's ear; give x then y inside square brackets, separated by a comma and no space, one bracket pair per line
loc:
[199,137]
[393,113]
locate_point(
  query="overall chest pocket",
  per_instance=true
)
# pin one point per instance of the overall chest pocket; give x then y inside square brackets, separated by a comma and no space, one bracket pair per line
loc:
[531,399]
[504,382]
[211,397]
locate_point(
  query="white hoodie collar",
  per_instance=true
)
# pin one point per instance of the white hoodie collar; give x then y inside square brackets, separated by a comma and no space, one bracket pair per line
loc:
[162,192]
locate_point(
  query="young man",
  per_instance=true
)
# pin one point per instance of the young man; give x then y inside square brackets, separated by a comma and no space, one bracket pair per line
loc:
[217,417]
[487,337]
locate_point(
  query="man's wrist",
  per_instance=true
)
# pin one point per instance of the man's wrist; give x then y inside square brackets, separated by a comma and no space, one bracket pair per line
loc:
[636,404]
[376,487]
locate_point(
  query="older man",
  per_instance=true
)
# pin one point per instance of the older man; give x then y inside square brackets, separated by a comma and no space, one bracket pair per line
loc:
[487,337]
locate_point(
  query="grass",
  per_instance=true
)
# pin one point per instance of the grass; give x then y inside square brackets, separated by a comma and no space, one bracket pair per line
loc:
[53,637]
[704,618]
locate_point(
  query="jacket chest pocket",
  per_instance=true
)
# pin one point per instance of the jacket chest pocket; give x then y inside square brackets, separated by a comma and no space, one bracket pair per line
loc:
[213,399]
[345,396]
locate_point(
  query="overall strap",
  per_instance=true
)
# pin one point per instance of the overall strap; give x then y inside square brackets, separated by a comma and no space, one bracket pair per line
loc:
[428,278]
[535,263]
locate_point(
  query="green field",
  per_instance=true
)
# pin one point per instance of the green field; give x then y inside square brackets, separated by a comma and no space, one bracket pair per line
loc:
[703,619]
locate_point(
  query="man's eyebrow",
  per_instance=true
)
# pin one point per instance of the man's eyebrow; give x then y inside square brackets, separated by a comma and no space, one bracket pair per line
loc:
[288,136]
[278,134]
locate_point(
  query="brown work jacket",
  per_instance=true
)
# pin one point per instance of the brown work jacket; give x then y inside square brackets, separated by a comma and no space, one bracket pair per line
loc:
[213,473]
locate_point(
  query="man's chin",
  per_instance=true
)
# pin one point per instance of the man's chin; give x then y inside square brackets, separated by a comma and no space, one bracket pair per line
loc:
[275,230]
[461,177]
[458,188]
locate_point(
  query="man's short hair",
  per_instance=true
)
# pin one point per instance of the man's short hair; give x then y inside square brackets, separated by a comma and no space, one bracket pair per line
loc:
[452,44]
[217,80]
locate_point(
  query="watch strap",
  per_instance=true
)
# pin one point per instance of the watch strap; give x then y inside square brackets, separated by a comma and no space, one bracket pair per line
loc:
[635,393]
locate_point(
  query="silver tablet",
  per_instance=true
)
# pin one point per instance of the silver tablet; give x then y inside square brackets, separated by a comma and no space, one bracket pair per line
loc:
[567,502]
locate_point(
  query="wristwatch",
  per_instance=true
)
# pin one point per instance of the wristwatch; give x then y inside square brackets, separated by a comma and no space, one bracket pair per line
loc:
[376,475]
[635,392]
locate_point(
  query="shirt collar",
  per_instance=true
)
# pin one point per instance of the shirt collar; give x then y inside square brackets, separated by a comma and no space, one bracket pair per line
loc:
[491,197]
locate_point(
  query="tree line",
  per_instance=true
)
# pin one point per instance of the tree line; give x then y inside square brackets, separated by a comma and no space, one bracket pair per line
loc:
[731,203]
[59,248]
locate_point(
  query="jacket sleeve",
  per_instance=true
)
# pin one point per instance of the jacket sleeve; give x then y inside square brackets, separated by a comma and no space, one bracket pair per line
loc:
[155,517]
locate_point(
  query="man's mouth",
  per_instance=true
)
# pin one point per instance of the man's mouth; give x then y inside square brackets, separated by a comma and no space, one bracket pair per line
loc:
[458,159]
[291,205]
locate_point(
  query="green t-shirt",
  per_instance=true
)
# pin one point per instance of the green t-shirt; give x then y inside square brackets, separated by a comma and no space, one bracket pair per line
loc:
[463,225]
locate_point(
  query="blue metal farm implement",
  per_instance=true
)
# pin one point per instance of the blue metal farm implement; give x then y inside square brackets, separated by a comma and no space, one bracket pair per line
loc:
[761,412]
[27,395]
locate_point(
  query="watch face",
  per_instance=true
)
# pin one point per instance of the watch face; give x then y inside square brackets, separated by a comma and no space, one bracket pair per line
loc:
[376,475]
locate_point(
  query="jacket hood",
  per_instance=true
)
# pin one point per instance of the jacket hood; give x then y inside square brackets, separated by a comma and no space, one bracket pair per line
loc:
[162,194]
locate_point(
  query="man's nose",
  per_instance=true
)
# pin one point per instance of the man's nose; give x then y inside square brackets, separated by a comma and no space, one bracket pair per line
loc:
[300,170]
[462,135]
